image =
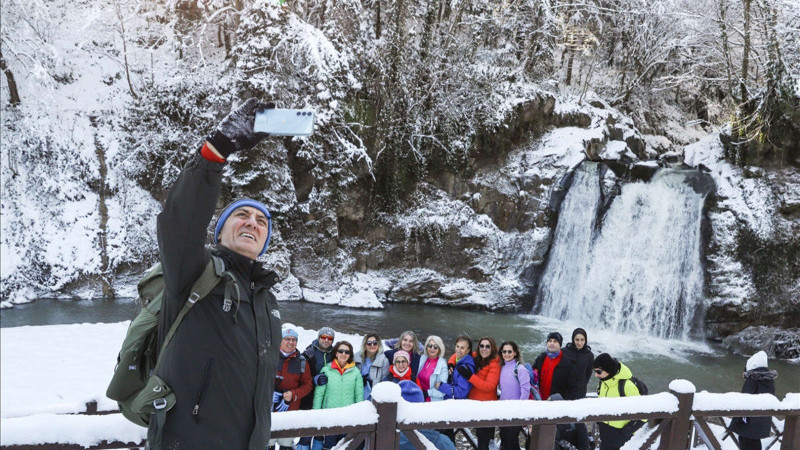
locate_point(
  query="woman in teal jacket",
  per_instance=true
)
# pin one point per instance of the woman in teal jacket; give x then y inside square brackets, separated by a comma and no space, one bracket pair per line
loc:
[343,385]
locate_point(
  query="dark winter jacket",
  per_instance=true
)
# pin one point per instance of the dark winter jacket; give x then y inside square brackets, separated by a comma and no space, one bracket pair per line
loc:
[292,376]
[459,386]
[317,359]
[583,360]
[221,362]
[566,380]
[756,381]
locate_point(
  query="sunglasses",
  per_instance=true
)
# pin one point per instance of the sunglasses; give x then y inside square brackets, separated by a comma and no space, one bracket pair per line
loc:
[434,346]
[343,351]
[371,343]
[508,352]
[326,338]
[598,371]
[485,346]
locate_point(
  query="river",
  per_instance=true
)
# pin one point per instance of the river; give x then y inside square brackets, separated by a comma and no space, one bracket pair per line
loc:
[655,361]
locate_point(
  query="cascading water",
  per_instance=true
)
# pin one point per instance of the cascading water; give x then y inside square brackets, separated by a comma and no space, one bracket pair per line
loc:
[566,268]
[641,271]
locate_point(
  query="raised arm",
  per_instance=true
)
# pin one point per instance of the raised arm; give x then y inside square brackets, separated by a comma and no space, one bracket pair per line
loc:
[183,223]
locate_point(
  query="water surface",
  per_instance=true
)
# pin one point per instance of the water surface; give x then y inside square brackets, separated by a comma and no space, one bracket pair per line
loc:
[655,361]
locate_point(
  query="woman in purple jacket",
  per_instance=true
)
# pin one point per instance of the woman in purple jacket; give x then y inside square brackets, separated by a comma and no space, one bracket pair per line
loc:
[515,384]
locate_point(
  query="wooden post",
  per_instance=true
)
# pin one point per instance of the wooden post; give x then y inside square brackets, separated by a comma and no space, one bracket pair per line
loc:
[386,432]
[676,437]
[543,437]
[791,433]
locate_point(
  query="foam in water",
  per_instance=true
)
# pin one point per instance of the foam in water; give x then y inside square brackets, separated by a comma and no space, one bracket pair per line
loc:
[641,272]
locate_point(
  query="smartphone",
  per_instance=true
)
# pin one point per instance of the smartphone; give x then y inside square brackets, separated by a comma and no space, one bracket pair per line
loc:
[285,122]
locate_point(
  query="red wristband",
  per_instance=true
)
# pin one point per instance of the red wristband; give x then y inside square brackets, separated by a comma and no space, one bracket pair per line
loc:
[206,153]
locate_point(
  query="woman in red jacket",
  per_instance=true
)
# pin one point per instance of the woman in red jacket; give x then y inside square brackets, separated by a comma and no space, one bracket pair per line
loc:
[484,382]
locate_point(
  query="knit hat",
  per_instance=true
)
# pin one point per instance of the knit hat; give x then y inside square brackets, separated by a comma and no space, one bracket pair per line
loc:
[411,392]
[238,204]
[756,361]
[557,336]
[606,362]
[402,353]
[287,332]
[326,331]
[578,331]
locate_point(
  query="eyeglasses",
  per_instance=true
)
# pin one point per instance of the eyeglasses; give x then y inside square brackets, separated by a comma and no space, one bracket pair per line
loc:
[401,361]
[343,351]
[508,352]
[598,371]
[290,338]
[434,346]
[371,343]
[485,346]
[325,337]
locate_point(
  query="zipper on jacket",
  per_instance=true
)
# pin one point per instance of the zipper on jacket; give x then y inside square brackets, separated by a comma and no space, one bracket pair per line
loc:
[203,386]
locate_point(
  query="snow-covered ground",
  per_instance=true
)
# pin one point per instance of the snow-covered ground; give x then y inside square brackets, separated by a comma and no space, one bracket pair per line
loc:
[49,372]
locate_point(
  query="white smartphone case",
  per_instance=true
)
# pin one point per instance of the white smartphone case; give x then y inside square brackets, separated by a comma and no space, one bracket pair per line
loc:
[285,122]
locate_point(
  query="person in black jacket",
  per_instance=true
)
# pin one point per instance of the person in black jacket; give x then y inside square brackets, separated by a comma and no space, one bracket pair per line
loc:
[222,360]
[758,379]
[557,372]
[318,354]
[581,354]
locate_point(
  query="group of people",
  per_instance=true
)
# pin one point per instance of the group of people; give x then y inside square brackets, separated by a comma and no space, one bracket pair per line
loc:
[221,367]
[330,375]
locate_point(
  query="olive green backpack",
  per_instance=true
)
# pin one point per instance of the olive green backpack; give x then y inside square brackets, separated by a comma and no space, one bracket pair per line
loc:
[138,391]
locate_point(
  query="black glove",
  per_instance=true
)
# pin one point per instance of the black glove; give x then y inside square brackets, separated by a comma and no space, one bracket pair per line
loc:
[320,380]
[235,132]
[464,371]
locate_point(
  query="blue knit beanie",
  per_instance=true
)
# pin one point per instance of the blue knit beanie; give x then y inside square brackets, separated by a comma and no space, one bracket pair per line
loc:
[238,204]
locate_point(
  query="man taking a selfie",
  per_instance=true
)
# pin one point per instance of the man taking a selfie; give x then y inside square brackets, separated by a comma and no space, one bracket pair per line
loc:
[221,362]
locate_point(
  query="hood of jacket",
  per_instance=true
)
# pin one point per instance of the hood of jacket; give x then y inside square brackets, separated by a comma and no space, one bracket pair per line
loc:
[586,348]
[761,373]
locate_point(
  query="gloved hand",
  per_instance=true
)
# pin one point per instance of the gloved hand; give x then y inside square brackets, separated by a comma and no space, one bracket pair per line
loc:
[277,396]
[464,371]
[235,132]
[320,380]
[282,406]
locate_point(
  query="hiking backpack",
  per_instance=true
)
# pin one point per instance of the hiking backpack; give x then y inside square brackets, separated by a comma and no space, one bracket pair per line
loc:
[134,385]
[639,385]
[633,426]
[534,394]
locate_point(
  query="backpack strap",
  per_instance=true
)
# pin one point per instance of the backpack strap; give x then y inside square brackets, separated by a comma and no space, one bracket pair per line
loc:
[621,386]
[211,275]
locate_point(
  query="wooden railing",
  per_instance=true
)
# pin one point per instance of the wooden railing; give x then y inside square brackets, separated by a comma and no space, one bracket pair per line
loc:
[675,419]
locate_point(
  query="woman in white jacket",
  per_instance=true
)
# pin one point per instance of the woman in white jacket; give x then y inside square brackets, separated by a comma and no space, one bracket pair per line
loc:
[432,370]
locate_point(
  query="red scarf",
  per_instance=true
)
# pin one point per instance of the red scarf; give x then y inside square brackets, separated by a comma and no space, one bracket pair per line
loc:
[405,376]
[546,378]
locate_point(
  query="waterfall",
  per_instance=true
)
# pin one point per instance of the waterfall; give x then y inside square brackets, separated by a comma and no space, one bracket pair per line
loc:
[640,272]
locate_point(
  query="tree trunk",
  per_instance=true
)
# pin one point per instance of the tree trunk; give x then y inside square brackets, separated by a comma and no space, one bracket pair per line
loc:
[377,19]
[102,234]
[745,50]
[726,52]
[13,93]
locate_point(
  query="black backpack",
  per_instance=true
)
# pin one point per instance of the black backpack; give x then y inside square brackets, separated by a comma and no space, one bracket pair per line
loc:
[637,382]
[634,425]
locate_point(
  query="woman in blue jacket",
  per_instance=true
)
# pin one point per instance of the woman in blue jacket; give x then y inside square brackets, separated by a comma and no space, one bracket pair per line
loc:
[458,386]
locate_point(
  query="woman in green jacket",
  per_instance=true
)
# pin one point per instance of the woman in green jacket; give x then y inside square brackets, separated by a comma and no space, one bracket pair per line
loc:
[344,385]
[610,373]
